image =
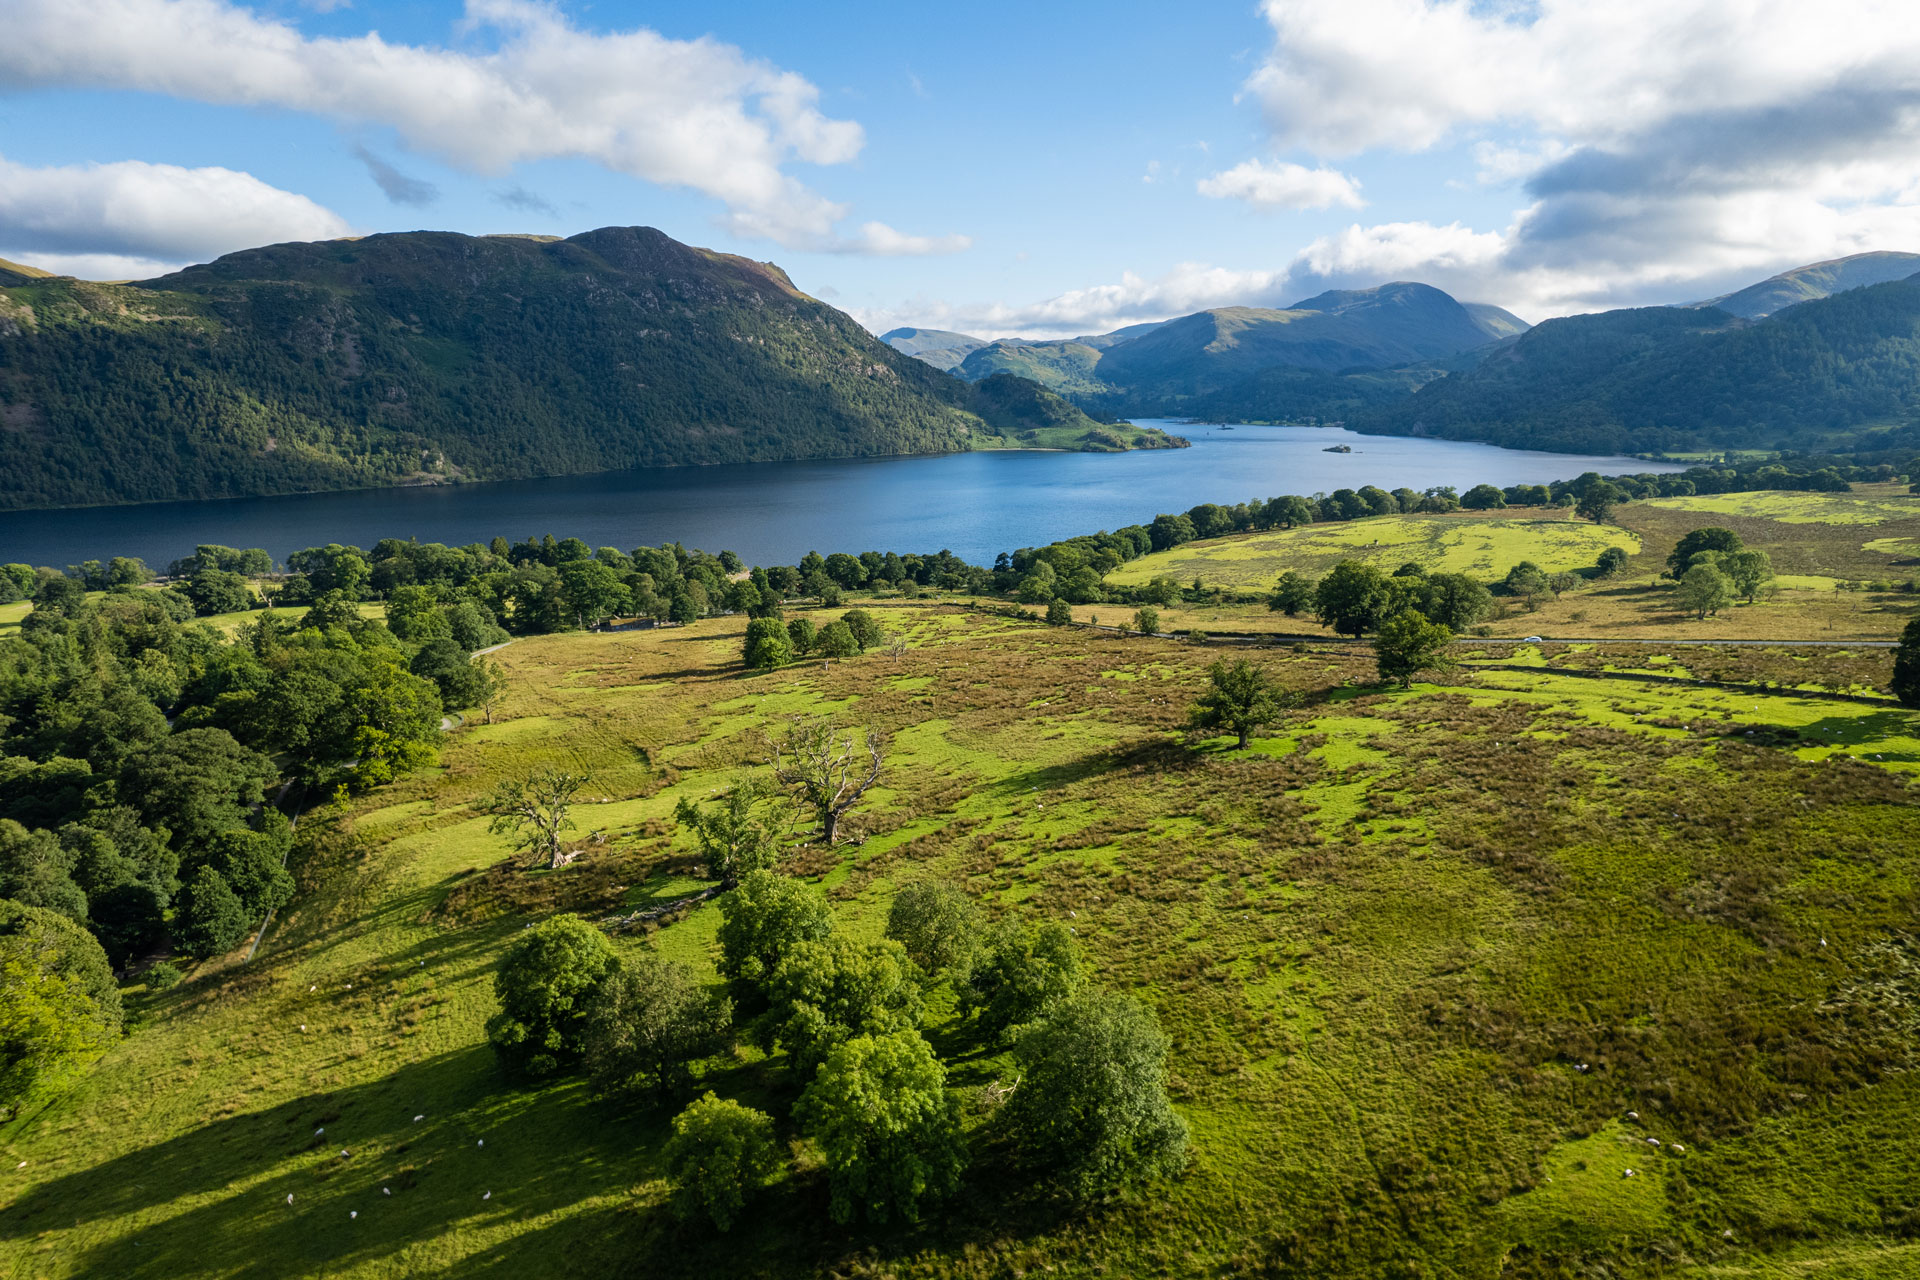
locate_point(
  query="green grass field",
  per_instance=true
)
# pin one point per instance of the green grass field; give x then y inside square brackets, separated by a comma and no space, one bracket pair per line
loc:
[1484,546]
[1420,953]
[1801,508]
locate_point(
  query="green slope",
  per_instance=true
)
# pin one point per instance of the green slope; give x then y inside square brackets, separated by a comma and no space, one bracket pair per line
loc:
[1820,280]
[1824,373]
[941,348]
[429,357]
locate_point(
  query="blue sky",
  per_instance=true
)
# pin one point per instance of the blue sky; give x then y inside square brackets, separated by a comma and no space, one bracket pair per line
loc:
[1044,169]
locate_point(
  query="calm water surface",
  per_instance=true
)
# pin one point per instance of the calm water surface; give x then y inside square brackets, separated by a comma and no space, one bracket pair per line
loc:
[973,504]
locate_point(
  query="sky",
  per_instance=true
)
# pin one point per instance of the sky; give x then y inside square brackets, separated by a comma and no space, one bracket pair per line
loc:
[1044,169]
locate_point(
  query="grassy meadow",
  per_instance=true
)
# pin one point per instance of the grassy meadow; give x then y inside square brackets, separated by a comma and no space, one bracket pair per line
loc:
[1424,956]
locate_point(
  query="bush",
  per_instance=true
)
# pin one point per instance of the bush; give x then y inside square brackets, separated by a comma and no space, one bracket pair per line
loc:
[768,644]
[1059,613]
[837,640]
[719,1155]
[866,632]
[824,993]
[545,986]
[162,976]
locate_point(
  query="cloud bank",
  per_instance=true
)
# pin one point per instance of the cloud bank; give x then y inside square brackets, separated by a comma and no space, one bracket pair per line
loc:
[697,114]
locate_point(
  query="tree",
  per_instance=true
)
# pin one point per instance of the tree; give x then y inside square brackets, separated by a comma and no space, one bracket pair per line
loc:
[1562,582]
[1018,974]
[1146,620]
[803,635]
[866,632]
[1059,613]
[490,687]
[1528,581]
[1712,538]
[1353,598]
[1596,503]
[1168,531]
[721,1153]
[215,592]
[195,782]
[825,992]
[1906,660]
[736,835]
[545,987]
[1291,594]
[1611,561]
[534,810]
[1091,1111]
[1408,644]
[1453,600]
[648,1023]
[879,1110]
[1748,571]
[1288,512]
[762,920]
[1704,590]
[936,922]
[209,918]
[1483,497]
[58,1002]
[767,645]
[826,771]
[37,871]
[837,640]
[1241,698]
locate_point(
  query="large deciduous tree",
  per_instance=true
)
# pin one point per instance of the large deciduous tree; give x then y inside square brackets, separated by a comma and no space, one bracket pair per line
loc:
[1408,644]
[545,987]
[720,1154]
[1240,698]
[647,1025]
[1353,598]
[890,1134]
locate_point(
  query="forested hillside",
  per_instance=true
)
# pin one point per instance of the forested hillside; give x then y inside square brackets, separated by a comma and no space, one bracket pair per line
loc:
[1823,373]
[429,357]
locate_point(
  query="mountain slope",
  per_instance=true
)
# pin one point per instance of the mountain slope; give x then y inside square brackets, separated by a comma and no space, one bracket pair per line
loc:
[1819,374]
[426,357]
[941,348]
[12,273]
[1820,280]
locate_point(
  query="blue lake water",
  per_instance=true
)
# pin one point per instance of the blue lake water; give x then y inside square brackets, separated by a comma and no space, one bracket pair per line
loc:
[973,504]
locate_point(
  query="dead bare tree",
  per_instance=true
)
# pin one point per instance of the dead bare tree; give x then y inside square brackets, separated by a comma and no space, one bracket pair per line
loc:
[827,769]
[534,810]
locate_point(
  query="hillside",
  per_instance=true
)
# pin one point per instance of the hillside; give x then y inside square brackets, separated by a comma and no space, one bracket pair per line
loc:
[941,348]
[1824,372]
[1258,362]
[430,357]
[1819,280]
[12,273]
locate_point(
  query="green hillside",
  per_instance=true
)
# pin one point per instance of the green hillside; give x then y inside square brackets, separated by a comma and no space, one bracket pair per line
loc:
[1819,280]
[941,348]
[430,357]
[1825,372]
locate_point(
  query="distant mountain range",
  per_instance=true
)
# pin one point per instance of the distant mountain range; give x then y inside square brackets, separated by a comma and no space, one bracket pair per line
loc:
[428,357]
[1826,355]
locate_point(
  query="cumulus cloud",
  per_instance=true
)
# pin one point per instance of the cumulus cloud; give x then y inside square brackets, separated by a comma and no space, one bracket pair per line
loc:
[1663,146]
[395,185]
[697,114]
[524,201]
[130,218]
[1278,185]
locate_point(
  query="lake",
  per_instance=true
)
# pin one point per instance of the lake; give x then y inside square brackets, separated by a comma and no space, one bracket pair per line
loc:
[973,504]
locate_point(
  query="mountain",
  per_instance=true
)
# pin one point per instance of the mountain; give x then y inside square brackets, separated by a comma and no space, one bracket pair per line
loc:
[1820,280]
[428,357]
[941,348]
[12,273]
[1827,373]
[1258,362]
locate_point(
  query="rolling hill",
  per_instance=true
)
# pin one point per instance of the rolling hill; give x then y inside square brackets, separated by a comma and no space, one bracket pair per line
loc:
[1820,280]
[941,348]
[1835,372]
[430,357]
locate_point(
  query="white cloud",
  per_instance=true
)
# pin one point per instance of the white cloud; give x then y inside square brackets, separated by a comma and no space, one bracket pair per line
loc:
[698,114]
[1283,186]
[130,218]
[881,240]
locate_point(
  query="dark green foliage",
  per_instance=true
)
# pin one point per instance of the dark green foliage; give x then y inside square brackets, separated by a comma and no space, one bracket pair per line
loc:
[36,870]
[210,919]
[890,1134]
[936,922]
[648,1023]
[1906,666]
[866,631]
[1597,501]
[213,591]
[1408,644]
[768,644]
[837,640]
[826,992]
[1483,497]
[437,356]
[196,783]
[1018,973]
[545,987]
[1292,594]
[1528,581]
[764,919]
[802,635]
[1453,600]
[1240,698]
[1713,538]
[1059,613]
[1611,561]
[1091,1112]
[719,1155]
[1353,598]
